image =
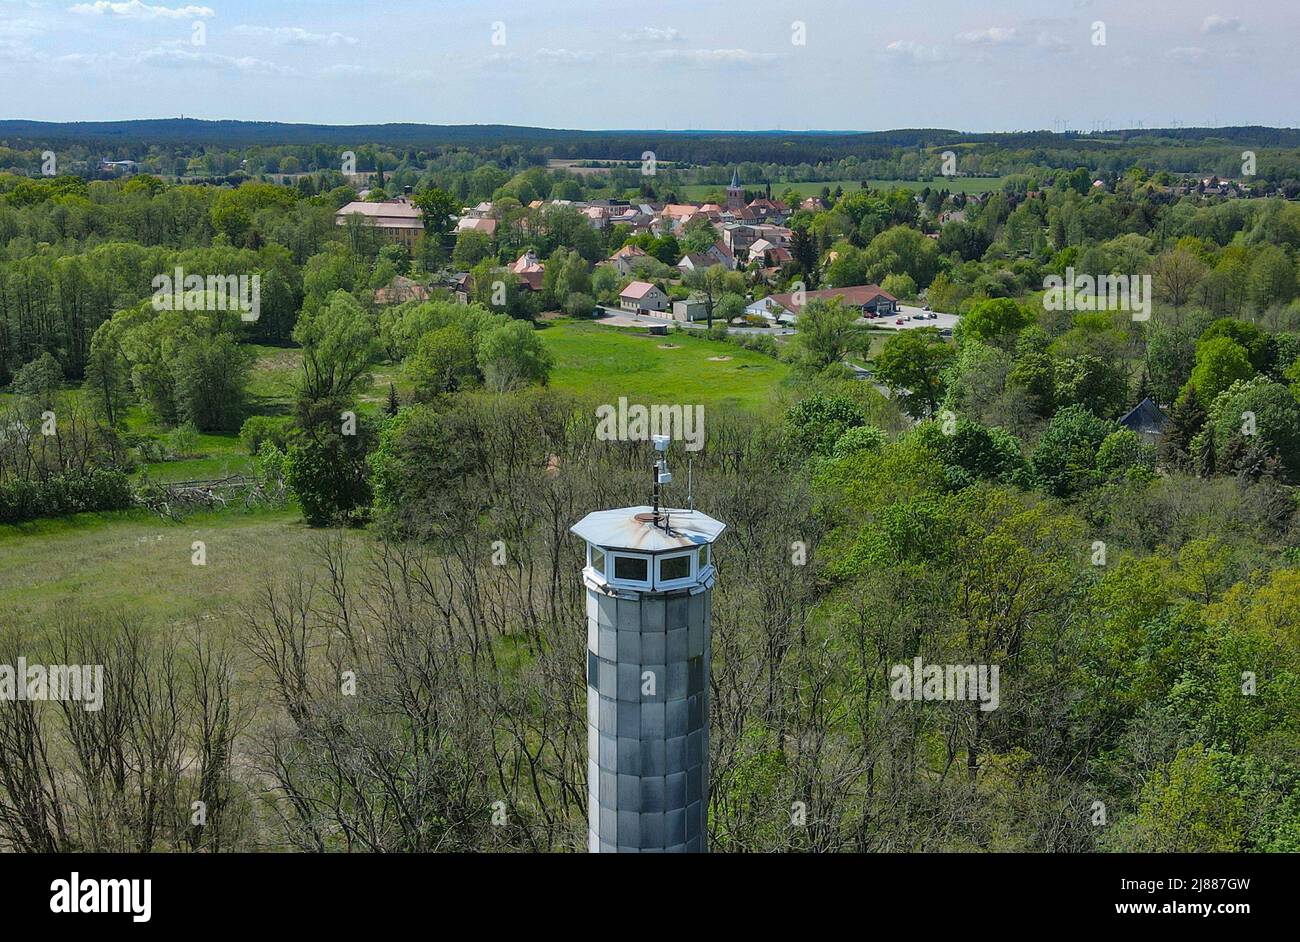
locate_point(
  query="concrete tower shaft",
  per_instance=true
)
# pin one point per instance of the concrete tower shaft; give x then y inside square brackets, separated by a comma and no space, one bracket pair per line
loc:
[649,608]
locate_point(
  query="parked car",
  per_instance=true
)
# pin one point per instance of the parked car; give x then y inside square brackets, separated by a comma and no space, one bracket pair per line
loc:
[899,322]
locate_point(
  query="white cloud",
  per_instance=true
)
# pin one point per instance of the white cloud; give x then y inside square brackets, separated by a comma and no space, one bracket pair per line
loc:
[350,71]
[653,34]
[296,36]
[135,10]
[565,55]
[179,57]
[657,55]
[905,48]
[1216,23]
[710,56]
[993,36]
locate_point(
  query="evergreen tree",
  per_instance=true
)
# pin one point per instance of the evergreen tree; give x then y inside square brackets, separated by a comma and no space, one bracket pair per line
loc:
[1205,458]
[805,256]
[1143,390]
[393,404]
[1185,421]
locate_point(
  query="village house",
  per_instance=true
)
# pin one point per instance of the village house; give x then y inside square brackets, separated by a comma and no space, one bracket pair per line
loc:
[769,211]
[1147,420]
[641,297]
[697,261]
[758,252]
[738,237]
[400,290]
[625,259]
[123,167]
[770,309]
[722,254]
[866,299]
[530,270]
[484,224]
[461,285]
[397,219]
[769,257]
[777,235]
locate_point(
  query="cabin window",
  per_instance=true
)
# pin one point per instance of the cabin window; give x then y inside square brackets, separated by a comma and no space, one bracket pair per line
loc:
[598,560]
[631,568]
[704,557]
[675,568]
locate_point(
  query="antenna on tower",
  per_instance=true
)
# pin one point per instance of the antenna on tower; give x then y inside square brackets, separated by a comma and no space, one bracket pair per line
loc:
[661,475]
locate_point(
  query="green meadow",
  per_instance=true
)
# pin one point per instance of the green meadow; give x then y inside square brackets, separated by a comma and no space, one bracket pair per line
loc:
[954,185]
[609,362]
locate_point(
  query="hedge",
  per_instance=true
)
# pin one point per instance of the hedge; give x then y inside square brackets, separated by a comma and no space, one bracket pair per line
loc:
[71,493]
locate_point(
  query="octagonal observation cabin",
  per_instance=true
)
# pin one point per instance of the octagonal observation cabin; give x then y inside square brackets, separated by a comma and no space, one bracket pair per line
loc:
[635,550]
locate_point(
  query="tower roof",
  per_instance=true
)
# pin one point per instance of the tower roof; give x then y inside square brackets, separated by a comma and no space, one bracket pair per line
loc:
[735,179]
[632,528]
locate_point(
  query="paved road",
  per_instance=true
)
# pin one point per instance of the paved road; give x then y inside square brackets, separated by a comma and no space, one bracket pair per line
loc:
[912,320]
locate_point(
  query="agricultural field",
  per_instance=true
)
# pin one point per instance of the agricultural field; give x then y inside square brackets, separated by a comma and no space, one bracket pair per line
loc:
[954,185]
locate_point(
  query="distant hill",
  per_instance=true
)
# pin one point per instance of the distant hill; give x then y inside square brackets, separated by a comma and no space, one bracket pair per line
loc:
[241,133]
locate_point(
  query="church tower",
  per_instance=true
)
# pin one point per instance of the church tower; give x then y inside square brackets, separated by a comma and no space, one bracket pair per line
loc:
[735,192]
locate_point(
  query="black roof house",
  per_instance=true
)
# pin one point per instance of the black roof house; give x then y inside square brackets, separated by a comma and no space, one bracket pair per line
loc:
[1146,419]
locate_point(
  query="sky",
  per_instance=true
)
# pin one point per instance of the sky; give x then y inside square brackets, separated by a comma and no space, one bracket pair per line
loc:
[615,64]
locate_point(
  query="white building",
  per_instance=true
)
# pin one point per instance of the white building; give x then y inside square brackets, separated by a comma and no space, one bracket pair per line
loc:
[643,297]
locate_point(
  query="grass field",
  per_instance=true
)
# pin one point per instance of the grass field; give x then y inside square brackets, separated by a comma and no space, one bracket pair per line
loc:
[137,563]
[609,362]
[955,185]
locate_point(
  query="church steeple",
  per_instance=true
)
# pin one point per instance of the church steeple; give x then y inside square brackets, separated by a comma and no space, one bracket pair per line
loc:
[735,192]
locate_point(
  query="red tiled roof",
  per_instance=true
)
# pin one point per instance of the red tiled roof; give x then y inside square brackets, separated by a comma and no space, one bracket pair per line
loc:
[855,295]
[637,290]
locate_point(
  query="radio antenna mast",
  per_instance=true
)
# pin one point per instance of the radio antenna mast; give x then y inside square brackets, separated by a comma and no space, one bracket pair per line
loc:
[662,475]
